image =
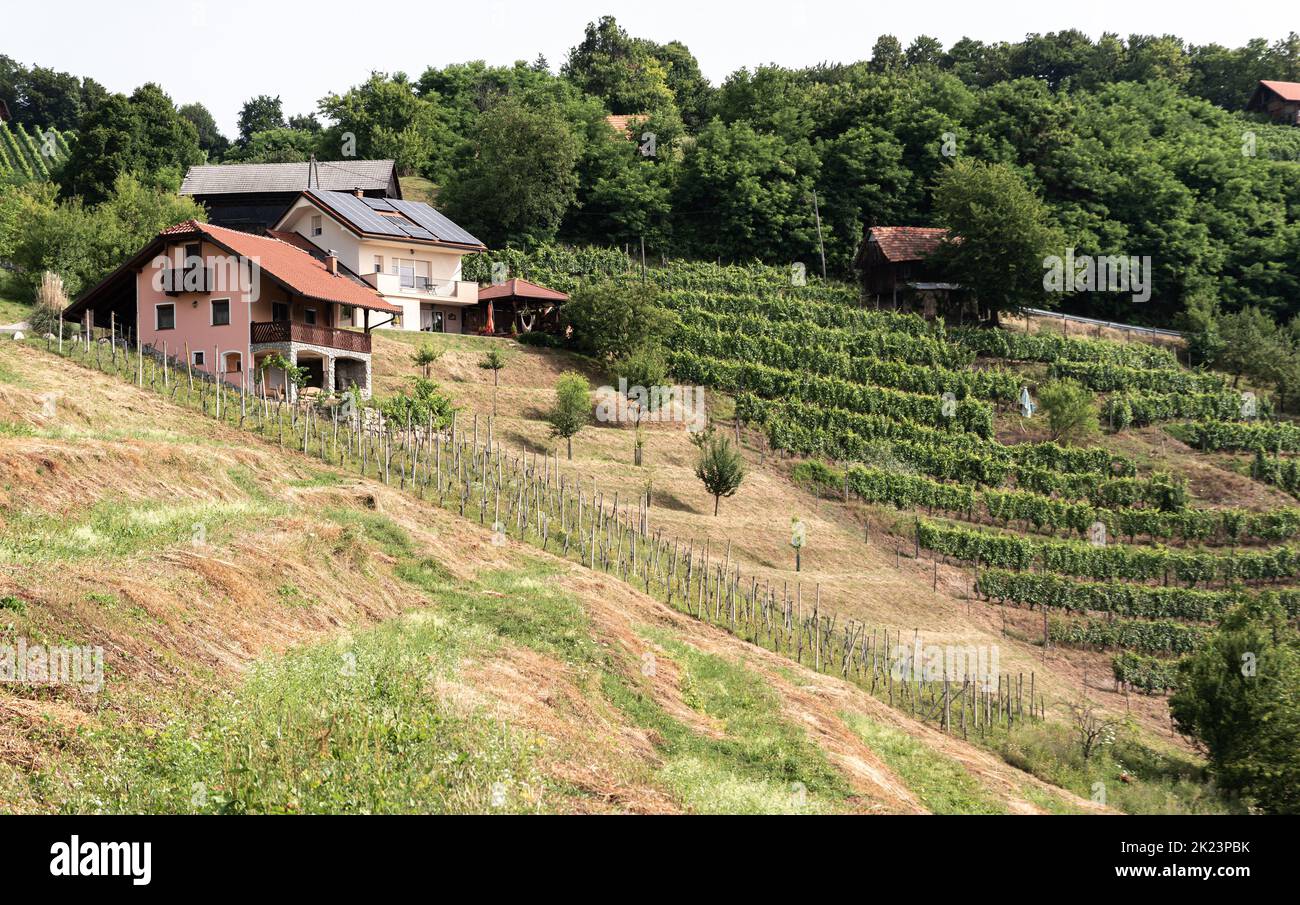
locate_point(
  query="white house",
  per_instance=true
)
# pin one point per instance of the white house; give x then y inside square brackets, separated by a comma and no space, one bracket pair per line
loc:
[406,250]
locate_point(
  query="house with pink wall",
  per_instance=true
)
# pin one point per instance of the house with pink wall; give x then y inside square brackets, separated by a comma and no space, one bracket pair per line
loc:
[222,302]
[409,252]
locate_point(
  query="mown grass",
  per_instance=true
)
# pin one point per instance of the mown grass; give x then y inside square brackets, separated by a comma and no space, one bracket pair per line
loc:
[941,783]
[355,726]
[111,528]
[10,376]
[761,764]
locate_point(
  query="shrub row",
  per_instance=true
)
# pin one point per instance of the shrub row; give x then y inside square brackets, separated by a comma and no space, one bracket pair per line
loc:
[1124,410]
[1105,377]
[889,340]
[1150,674]
[1107,563]
[832,392]
[1278,437]
[1041,513]
[1051,348]
[1158,637]
[1046,467]
[723,341]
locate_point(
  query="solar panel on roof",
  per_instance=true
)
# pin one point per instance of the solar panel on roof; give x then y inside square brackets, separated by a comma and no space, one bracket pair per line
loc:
[357,212]
[434,222]
[417,221]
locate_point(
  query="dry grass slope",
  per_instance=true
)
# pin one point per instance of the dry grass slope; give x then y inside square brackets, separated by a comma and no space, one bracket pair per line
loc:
[292,557]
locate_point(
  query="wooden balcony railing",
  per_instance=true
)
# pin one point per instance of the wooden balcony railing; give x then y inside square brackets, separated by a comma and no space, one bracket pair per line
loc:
[313,334]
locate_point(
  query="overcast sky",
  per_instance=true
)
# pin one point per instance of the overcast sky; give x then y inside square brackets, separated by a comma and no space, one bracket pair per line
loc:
[221,52]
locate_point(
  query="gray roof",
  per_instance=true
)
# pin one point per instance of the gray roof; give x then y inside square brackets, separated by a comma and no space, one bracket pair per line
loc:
[394,217]
[333,175]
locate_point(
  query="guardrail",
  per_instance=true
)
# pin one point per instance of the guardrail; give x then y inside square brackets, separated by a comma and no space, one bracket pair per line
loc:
[1114,325]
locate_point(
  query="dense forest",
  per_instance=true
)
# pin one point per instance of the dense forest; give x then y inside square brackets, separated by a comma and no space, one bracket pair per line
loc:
[1137,146]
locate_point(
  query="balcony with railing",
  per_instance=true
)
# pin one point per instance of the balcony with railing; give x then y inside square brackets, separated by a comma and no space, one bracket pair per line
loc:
[269,332]
[431,289]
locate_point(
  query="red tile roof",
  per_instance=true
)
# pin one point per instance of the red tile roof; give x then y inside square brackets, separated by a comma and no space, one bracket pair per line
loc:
[625,122]
[907,243]
[293,239]
[292,265]
[522,289]
[1288,91]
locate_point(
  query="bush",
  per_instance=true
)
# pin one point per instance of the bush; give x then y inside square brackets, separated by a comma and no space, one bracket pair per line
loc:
[612,321]
[643,368]
[1071,414]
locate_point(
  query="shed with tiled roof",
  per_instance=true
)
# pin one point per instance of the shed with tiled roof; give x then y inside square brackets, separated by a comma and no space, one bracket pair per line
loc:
[898,268]
[1280,100]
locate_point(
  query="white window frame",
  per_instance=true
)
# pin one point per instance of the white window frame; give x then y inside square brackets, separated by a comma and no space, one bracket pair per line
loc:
[198,359]
[316,226]
[379,263]
[157,324]
[212,313]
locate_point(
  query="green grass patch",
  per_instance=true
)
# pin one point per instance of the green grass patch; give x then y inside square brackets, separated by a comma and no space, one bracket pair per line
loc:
[245,480]
[110,528]
[521,606]
[289,596]
[1130,775]
[355,726]
[1048,801]
[762,765]
[939,781]
[444,342]
[12,603]
[13,311]
[15,429]
[379,528]
[318,479]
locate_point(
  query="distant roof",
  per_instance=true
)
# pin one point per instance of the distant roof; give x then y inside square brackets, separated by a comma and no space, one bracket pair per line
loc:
[907,243]
[623,122]
[1288,91]
[522,289]
[247,178]
[394,218]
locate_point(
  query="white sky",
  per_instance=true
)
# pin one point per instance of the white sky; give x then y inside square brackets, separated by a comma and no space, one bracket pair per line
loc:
[221,52]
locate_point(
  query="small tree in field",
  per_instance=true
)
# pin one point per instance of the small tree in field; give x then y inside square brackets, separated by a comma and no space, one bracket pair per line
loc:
[1071,414]
[721,468]
[572,409]
[425,357]
[494,360]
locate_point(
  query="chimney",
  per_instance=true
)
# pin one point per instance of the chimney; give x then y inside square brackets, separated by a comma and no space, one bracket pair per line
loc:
[332,262]
[357,191]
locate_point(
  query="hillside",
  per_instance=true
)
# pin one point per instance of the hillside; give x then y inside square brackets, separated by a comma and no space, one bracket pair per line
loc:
[327,642]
